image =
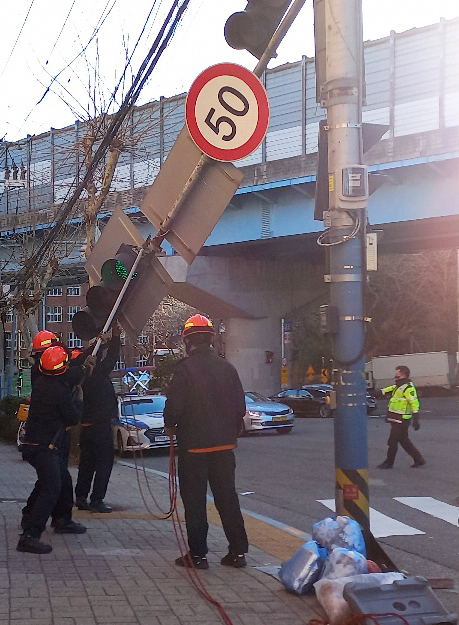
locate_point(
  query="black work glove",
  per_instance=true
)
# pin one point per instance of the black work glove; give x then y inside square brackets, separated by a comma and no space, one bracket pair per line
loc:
[416,423]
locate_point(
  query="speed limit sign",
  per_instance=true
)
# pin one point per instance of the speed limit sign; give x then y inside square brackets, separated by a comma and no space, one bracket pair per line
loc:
[227,112]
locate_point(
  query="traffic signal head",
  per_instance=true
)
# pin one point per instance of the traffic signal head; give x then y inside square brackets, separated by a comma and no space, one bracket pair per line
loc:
[253,28]
[100,298]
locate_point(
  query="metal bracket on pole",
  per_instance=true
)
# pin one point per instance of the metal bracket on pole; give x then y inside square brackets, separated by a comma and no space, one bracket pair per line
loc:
[117,303]
[280,33]
[343,277]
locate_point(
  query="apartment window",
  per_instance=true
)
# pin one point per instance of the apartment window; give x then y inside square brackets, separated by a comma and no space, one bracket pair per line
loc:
[54,291]
[141,361]
[142,339]
[73,340]
[9,316]
[7,336]
[120,364]
[71,310]
[123,338]
[53,314]
[74,290]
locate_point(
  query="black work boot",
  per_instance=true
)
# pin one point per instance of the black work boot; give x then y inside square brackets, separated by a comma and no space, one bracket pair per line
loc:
[29,544]
[234,560]
[384,465]
[69,527]
[99,506]
[81,503]
[198,562]
[418,463]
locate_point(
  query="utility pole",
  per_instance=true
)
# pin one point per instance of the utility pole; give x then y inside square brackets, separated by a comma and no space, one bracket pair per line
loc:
[341,94]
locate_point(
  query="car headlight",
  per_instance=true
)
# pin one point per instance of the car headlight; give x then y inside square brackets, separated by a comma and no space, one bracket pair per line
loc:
[254,413]
[133,428]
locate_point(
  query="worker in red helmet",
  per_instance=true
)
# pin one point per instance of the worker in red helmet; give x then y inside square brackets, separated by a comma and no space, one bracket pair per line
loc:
[205,408]
[53,408]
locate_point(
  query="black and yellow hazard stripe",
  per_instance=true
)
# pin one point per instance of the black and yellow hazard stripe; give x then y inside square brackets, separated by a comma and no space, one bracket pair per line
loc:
[352,490]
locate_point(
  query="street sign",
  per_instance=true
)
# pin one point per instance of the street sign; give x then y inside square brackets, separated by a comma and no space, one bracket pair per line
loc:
[284,375]
[195,212]
[227,112]
[310,372]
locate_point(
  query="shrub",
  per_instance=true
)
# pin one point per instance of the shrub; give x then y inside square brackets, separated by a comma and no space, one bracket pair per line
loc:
[8,422]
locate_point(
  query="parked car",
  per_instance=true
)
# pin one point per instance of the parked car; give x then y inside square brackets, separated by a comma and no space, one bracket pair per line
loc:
[140,423]
[303,402]
[319,390]
[264,414]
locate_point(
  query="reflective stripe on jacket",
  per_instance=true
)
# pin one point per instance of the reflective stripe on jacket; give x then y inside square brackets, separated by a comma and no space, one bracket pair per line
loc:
[404,400]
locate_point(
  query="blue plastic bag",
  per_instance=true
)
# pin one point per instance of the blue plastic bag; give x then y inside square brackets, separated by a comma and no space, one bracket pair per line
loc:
[340,531]
[343,563]
[300,573]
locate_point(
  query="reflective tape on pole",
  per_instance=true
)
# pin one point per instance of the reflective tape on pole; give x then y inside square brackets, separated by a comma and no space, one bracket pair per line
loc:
[352,495]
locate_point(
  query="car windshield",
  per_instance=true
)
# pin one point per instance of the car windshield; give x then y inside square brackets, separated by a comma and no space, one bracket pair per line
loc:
[138,407]
[252,398]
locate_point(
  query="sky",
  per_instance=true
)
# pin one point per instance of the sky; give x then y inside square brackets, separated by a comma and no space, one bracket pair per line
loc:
[41,38]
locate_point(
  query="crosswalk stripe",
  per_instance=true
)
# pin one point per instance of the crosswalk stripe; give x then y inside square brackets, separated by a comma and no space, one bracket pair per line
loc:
[434,507]
[380,524]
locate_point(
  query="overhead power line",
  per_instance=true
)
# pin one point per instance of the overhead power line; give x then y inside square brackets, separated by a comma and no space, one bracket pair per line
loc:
[165,34]
[17,39]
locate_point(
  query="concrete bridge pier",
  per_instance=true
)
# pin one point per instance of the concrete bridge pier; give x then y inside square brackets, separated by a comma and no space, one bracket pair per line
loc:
[250,297]
[253,346]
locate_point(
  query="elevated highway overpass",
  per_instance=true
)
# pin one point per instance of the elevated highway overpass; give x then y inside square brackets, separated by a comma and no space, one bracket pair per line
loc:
[245,272]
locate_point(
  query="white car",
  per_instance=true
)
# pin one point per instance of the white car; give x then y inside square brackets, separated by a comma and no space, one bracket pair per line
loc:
[140,425]
[265,414]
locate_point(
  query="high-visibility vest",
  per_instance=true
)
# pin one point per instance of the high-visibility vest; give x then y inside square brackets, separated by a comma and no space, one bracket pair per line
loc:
[404,400]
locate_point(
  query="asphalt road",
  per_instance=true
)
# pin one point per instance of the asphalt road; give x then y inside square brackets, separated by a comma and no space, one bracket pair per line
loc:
[286,477]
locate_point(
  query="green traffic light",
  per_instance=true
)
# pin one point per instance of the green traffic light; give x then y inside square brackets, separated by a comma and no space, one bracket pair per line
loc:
[122,271]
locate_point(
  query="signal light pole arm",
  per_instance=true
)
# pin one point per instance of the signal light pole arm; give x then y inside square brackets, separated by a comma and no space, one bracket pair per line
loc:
[121,295]
[279,34]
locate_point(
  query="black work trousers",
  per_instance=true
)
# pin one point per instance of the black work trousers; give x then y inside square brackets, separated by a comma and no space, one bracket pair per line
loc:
[54,485]
[97,454]
[399,434]
[195,471]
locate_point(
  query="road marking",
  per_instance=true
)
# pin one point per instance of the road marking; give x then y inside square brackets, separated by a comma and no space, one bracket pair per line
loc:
[434,507]
[282,526]
[380,524]
[248,492]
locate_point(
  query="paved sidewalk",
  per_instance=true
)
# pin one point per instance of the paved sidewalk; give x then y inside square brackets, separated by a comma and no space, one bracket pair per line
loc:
[122,570]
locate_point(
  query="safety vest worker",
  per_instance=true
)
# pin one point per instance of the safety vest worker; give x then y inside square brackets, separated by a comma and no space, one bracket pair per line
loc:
[403,401]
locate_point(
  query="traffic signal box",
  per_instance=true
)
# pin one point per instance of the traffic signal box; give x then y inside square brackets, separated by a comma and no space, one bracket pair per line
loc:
[100,298]
[253,28]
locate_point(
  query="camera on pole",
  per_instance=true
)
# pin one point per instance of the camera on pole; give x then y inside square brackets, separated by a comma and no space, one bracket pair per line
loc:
[253,28]
[100,298]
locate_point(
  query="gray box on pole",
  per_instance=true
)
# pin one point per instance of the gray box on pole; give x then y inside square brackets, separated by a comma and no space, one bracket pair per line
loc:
[195,212]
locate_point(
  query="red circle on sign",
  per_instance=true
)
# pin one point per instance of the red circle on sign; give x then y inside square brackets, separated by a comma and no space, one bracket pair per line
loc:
[261,126]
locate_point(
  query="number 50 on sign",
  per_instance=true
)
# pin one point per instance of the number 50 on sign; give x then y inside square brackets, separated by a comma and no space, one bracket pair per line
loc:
[227,112]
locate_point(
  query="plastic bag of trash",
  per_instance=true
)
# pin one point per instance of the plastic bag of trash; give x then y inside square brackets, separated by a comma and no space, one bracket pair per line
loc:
[339,532]
[329,593]
[303,569]
[344,562]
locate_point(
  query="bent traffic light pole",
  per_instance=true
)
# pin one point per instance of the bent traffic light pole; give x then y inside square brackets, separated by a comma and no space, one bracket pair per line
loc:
[118,300]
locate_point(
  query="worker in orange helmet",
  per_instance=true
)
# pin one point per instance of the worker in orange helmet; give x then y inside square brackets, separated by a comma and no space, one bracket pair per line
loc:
[53,408]
[205,408]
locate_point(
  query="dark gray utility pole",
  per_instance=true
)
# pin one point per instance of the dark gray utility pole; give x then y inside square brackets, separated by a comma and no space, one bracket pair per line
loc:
[341,94]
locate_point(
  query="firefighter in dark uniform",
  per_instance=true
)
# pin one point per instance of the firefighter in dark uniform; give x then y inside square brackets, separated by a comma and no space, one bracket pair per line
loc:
[403,410]
[205,408]
[73,376]
[100,406]
[53,408]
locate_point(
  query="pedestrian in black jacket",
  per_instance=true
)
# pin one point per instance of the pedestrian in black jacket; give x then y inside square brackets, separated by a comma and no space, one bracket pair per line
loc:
[53,408]
[205,408]
[100,406]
